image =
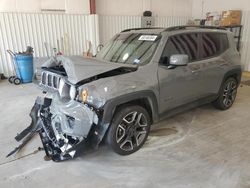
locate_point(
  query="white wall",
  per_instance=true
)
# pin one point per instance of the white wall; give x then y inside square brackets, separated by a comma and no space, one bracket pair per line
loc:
[171,7]
[71,6]
[73,32]
[217,5]
[77,6]
[137,7]
[119,7]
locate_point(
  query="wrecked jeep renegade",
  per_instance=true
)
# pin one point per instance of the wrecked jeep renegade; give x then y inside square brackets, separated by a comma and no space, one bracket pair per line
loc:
[140,77]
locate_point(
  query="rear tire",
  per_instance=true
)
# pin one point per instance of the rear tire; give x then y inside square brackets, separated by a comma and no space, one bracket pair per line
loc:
[129,129]
[227,94]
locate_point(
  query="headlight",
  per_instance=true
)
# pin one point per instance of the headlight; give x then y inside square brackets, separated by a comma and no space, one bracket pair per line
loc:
[66,91]
[84,95]
[91,96]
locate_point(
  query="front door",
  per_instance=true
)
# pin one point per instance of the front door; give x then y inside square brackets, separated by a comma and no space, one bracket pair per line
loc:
[180,85]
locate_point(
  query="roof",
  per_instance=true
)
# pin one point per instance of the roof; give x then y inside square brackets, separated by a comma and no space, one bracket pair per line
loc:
[151,30]
[158,30]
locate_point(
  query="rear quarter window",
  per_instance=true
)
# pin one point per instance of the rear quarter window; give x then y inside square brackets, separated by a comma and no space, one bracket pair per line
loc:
[213,44]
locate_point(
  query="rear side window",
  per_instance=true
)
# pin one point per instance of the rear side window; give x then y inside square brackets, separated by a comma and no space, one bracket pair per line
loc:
[182,44]
[213,44]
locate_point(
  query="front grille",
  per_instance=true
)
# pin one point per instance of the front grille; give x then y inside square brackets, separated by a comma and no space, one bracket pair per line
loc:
[50,80]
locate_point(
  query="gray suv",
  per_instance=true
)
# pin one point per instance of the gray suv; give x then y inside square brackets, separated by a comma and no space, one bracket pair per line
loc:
[139,77]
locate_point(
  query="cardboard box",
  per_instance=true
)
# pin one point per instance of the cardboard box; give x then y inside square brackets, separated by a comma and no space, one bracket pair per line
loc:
[230,22]
[231,14]
[231,17]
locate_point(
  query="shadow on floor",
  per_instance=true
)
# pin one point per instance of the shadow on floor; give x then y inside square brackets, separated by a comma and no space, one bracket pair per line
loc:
[164,131]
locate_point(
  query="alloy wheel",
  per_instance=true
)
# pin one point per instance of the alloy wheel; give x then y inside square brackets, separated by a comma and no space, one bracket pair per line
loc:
[132,131]
[229,93]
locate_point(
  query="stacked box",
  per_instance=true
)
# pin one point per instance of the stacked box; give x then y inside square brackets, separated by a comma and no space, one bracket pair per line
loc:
[231,18]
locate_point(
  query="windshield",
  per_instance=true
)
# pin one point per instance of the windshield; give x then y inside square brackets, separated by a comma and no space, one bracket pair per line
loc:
[130,48]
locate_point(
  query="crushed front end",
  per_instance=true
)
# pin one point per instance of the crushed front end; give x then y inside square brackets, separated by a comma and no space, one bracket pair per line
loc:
[65,124]
[65,127]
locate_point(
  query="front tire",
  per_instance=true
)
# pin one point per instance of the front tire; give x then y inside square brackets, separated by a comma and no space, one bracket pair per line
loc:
[129,129]
[227,94]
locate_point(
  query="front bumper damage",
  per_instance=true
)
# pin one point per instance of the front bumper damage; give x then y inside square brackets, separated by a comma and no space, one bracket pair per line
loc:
[65,129]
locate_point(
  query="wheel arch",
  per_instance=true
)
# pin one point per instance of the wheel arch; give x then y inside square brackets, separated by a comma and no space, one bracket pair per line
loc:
[235,73]
[146,99]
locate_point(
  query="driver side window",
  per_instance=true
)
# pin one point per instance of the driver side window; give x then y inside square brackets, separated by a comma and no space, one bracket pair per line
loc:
[181,44]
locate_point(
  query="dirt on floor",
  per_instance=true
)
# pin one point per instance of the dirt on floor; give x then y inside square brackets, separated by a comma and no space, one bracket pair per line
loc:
[203,147]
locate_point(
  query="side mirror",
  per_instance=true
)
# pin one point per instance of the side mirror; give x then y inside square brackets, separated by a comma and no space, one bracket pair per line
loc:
[179,60]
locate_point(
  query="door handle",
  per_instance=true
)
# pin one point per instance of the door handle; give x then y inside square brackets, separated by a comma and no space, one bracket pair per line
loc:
[223,64]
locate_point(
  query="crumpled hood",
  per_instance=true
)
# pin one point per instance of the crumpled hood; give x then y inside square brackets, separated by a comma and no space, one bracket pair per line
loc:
[79,68]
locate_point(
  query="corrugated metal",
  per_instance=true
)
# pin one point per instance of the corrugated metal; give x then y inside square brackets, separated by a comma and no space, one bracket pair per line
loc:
[18,30]
[110,25]
[245,51]
[169,21]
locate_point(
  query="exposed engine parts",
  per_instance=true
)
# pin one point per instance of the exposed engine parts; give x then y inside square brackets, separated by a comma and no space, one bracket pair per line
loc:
[61,134]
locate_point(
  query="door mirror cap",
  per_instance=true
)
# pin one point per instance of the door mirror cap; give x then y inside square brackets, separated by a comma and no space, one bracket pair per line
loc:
[179,60]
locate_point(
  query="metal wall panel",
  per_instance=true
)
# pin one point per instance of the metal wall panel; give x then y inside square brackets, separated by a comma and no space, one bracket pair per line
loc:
[169,21]
[18,30]
[110,25]
[245,48]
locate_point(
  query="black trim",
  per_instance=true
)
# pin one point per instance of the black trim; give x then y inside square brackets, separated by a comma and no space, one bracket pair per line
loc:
[188,106]
[110,106]
[138,29]
[176,28]
[236,71]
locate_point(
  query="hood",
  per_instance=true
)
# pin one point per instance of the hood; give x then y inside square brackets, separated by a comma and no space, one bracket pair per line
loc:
[79,69]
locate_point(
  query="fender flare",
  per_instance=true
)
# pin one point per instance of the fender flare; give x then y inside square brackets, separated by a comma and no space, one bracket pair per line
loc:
[110,106]
[98,132]
[235,71]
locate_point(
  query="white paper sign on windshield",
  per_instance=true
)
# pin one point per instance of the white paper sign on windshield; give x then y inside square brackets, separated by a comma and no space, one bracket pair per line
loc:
[148,37]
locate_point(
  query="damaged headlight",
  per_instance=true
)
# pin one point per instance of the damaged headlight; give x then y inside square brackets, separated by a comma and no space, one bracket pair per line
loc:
[66,91]
[84,95]
[91,96]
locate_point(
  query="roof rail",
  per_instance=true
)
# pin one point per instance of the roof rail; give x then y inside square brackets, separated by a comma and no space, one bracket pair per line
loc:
[143,28]
[193,26]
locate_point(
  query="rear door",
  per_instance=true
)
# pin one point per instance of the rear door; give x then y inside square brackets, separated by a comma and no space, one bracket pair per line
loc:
[211,62]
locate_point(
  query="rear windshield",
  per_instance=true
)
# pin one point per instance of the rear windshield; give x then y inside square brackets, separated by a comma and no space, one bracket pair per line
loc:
[130,48]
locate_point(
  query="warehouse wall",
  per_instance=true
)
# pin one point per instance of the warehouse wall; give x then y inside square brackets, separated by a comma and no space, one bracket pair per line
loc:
[117,15]
[71,33]
[136,7]
[110,25]
[71,6]
[217,5]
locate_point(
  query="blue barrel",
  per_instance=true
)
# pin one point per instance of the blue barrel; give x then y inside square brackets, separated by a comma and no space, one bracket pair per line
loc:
[24,67]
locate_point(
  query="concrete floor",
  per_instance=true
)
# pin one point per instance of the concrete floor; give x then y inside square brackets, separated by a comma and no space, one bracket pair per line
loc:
[203,148]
